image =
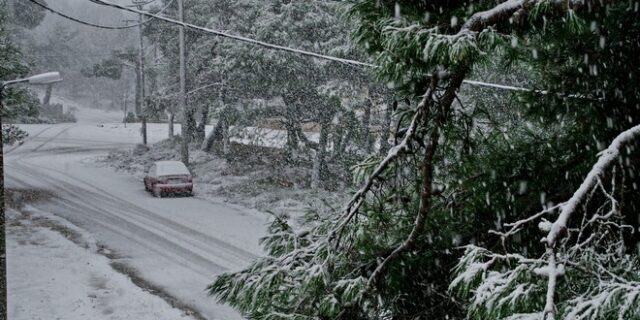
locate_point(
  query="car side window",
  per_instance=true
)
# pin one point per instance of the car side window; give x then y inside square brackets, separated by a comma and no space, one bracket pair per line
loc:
[152,170]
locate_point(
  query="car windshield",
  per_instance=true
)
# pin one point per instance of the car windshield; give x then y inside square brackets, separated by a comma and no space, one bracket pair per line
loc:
[171,168]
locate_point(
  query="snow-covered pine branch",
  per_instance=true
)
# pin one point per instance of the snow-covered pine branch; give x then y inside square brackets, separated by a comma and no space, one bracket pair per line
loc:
[352,207]
[559,227]
[600,279]
[606,160]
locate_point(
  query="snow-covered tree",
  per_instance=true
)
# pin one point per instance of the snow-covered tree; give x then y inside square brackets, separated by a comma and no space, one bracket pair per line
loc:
[16,101]
[455,171]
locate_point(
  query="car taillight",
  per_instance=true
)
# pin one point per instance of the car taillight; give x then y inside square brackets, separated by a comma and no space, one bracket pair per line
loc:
[189,179]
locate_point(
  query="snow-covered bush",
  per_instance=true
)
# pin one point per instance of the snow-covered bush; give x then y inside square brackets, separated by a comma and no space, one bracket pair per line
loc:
[12,134]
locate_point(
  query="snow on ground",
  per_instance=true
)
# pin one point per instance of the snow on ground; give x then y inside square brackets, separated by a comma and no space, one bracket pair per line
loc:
[174,246]
[51,277]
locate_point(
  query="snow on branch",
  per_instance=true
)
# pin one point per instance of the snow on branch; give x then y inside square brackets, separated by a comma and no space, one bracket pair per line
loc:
[483,19]
[443,106]
[352,207]
[602,280]
[559,227]
[607,158]
[515,227]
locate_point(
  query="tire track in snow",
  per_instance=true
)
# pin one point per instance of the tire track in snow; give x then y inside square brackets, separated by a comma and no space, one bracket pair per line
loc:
[199,248]
[29,138]
[116,263]
[163,225]
[117,216]
[52,138]
[102,194]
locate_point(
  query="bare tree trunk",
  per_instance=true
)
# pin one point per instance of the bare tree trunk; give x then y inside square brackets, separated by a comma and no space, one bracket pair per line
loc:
[386,127]
[172,117]
[125,108]
[292,125]
[200,130]
[319,161]
[47,97]
[337,141]
[292,140]
[216,135]
[137,108]
[226,140]
[315,170]
[366,122]
[350,124]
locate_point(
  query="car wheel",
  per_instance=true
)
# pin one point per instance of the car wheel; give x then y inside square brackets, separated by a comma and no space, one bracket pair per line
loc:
[157,193]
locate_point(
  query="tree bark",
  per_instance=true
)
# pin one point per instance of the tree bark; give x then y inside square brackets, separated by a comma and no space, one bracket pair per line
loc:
[319,161]
[292,125]
[201,128]
[366,122]
[386,127]
[226,139]
[47,97]
[292,139]
[172,117]
[137,108]
[216,135]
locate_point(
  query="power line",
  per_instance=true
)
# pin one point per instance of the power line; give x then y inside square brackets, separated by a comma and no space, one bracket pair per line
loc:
[93,24]
[141,4]
[66,55]
[299,51]
[262,43]
[499,86]
[159,12]
[235,37]
[78,20]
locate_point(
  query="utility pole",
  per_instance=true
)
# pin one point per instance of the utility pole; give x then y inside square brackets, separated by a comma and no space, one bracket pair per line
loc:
[3,258]
[143,110]
[182,99]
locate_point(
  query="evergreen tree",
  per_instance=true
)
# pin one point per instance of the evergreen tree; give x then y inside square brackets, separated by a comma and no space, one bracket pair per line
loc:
[15,101]
[458,170]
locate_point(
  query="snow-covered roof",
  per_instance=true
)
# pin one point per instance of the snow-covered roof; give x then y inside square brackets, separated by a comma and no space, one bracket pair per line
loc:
[165,168]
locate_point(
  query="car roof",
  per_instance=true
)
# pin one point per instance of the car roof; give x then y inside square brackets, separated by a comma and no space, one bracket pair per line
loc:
[171,167]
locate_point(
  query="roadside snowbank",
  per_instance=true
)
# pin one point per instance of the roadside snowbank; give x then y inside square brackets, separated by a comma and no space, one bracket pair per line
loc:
[51,277]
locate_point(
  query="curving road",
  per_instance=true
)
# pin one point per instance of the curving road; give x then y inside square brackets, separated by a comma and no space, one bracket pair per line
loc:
[175,245]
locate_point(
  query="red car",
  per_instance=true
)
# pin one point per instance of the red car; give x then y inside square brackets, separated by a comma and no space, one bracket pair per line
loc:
[169,177]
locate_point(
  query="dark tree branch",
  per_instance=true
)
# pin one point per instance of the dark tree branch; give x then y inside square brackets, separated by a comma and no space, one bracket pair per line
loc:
[426,168]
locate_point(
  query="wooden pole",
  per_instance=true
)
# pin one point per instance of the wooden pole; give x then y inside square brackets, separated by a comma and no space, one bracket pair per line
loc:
[3,247]
[182,99]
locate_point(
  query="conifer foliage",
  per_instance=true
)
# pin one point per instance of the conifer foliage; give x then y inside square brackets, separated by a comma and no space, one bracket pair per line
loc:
[454,174]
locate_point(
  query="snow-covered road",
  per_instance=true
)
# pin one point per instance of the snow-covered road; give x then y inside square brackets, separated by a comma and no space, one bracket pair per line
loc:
[177,245]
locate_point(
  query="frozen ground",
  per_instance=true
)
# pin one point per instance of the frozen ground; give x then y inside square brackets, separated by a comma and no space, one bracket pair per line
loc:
[52,277]
[175,245]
